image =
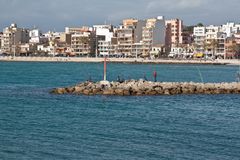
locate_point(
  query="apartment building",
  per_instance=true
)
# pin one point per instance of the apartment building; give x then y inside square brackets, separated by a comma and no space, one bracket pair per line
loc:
[126,36]
[104,35]
[232,46]
[36,37]
[210,40]
[230,28]
[214,41]
[153,34]
[83,43]
[1,39]
[174,30]
[13,36]
[199,34]
[73,30]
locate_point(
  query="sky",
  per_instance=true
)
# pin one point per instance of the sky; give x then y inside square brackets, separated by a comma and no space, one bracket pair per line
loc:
[58,14]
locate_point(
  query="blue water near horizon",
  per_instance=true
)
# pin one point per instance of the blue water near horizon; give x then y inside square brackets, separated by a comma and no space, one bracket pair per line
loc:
[37,125]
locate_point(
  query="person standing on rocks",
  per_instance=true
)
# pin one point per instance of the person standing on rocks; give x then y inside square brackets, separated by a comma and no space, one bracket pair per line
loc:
[145,77]
[155,76]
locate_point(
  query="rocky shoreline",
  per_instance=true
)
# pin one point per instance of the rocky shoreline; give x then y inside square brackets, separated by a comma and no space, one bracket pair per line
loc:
[142,88]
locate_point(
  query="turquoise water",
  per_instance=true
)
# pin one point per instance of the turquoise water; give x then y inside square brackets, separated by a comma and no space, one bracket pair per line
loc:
[37,125]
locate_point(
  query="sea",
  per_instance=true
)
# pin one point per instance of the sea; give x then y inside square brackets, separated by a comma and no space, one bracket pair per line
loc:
[35,124]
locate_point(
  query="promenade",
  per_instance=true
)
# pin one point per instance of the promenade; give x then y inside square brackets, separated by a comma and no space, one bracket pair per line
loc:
[119,60]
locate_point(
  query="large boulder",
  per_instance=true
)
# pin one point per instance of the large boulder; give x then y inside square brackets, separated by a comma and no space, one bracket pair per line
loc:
[108,92]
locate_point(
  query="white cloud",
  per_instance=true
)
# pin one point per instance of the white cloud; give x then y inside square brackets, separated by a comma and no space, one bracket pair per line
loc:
[52,13]
[172,5]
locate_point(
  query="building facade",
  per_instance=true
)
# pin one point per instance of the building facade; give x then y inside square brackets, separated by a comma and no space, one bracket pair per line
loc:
[83,43]
[13,36]
[153,34]
[199,34]
[174,29]
[104,35]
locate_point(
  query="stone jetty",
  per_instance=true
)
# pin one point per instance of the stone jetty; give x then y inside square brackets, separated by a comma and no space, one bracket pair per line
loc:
[141,88]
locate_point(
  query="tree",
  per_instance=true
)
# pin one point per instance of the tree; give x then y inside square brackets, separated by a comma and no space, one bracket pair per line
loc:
[211,45]
[236,50]
[200,24]
[188,29]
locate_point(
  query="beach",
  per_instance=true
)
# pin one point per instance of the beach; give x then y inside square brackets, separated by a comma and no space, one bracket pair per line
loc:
[121,60]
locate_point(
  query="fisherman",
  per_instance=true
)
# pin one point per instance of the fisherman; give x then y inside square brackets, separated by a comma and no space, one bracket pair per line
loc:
[238,77]
[155,76]
[144,77]
[90,79]
[118,79]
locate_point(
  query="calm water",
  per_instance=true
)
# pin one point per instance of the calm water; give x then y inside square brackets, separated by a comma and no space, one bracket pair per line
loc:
[37,125]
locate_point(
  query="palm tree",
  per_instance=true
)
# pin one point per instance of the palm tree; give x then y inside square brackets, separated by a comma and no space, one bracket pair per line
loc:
[236,49]
[211,45]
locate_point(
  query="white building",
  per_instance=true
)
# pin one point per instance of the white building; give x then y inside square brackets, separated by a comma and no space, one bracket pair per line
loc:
[210,40]
[48,50]
[36,37]
[199,34]
[230,29]
[104,30]
[104,35]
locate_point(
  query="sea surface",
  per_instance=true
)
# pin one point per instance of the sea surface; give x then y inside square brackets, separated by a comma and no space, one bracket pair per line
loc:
[37,125]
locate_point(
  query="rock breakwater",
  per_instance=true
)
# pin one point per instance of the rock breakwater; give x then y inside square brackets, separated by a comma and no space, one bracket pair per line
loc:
[141,88]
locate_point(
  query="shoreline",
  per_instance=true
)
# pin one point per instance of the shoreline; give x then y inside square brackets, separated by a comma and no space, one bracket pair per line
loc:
[118,60]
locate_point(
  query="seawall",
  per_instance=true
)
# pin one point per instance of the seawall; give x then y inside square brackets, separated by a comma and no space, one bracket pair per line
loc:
[141,88]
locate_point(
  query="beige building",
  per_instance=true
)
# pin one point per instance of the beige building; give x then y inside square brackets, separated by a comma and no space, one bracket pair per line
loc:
[83,43]
[153,34]
[129,34]
[125,36]
[174,29]
[12,37]
[65,38]
[71,30]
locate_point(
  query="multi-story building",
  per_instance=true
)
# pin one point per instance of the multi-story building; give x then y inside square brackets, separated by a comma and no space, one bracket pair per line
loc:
[153,34]
[232,47]
[128,34]
[83,43]
[72,30]
[65,38]
[13,36]
[230,29]
[83,40]
[214,42]
[1,39]
[36,37]
[199,34]
[104,35]
[174,29]
[210,41]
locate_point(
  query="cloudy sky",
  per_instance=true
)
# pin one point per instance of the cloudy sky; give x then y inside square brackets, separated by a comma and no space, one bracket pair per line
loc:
[57,14]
